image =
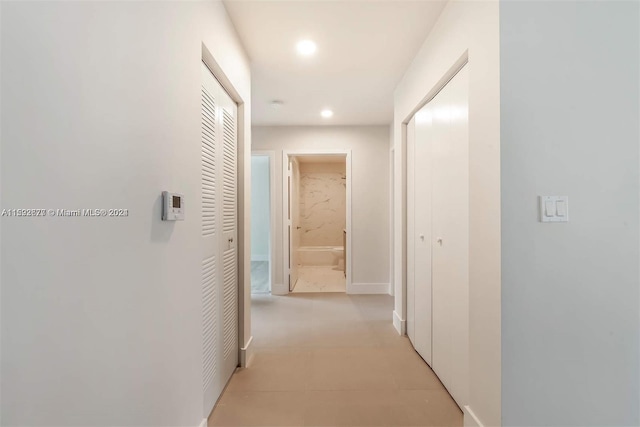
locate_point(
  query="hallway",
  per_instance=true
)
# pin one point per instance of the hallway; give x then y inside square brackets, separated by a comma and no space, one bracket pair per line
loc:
[332,360]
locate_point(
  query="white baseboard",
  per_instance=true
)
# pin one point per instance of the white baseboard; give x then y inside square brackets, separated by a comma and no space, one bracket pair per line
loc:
[259,257]
[203,423]
[399,324]
[279,289]
[470,419]
[368,288]
[246,354]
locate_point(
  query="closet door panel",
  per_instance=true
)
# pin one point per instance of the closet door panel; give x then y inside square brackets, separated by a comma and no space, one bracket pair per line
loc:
[457,232]
[411,233]
[210,193]
[229,247]
[422,235]
[441,187]
[451,236]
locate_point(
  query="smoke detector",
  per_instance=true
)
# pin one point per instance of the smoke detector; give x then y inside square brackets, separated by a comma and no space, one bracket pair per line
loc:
[276,104]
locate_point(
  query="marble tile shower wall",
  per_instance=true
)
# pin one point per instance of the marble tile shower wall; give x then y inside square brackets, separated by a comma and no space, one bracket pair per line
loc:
[323,194]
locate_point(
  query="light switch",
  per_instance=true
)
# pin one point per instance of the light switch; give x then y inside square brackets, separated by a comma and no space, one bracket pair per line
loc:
[561,209]
[549,208]
[554,208]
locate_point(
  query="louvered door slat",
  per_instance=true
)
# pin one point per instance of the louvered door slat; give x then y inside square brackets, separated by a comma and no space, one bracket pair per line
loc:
[208,164]
[230,303]
[209,321]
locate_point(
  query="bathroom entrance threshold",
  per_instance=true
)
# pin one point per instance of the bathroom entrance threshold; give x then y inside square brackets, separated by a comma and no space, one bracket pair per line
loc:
[320,279]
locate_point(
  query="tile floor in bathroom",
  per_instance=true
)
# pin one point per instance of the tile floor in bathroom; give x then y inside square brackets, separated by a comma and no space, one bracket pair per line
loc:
[260,277]
[320,279]
[310,279]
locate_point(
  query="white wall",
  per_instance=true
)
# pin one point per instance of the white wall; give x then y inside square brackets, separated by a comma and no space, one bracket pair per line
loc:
[101,317]
[370,188]
[463,28]
[260,208]
[570,91]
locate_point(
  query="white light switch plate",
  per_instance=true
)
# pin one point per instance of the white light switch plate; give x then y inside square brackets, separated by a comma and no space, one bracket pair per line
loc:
[554,208]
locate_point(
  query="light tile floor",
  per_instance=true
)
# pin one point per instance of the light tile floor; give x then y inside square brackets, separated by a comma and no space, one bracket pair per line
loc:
[260,277]
[320,279]
[332,360]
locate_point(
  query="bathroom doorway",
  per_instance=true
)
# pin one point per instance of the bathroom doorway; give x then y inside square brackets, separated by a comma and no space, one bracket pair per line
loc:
[317,212]
[262,221]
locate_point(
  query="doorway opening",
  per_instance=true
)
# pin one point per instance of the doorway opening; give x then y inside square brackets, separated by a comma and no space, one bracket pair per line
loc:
[317,212]
[262,222]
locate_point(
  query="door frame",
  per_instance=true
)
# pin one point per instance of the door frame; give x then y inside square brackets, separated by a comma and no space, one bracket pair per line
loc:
[272,211]
[392,192]
[285,206]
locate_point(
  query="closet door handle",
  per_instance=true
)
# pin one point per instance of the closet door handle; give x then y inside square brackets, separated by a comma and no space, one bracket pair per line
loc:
[439,240]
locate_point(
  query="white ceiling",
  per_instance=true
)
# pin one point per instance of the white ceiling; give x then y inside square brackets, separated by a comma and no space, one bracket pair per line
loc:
[364,47]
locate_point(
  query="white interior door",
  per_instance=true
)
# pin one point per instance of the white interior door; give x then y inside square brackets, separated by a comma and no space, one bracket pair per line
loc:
[294,220]
[411,233]
[450,234]
[219,239]
[419,290]
[422,233]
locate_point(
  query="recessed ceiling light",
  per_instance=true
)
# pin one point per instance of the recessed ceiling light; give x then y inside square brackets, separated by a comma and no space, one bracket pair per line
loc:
[326,113]
[306,47]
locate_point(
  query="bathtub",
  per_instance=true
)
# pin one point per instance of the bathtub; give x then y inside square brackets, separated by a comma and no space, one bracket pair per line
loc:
[321,255]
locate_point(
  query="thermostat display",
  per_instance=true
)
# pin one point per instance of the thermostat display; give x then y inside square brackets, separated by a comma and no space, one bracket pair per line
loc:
[172,206]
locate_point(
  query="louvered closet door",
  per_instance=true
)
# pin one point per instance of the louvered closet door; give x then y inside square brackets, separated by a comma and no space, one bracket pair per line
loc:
[228,123]
[219,229]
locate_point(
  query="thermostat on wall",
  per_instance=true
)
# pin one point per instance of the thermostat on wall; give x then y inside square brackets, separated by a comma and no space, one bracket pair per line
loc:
[172,206]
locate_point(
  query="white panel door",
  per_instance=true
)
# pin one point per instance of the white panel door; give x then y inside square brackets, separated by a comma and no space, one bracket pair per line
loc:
[294,220]
[422,233]
[442,347]
[219,239]
[411,233]
[450,235]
